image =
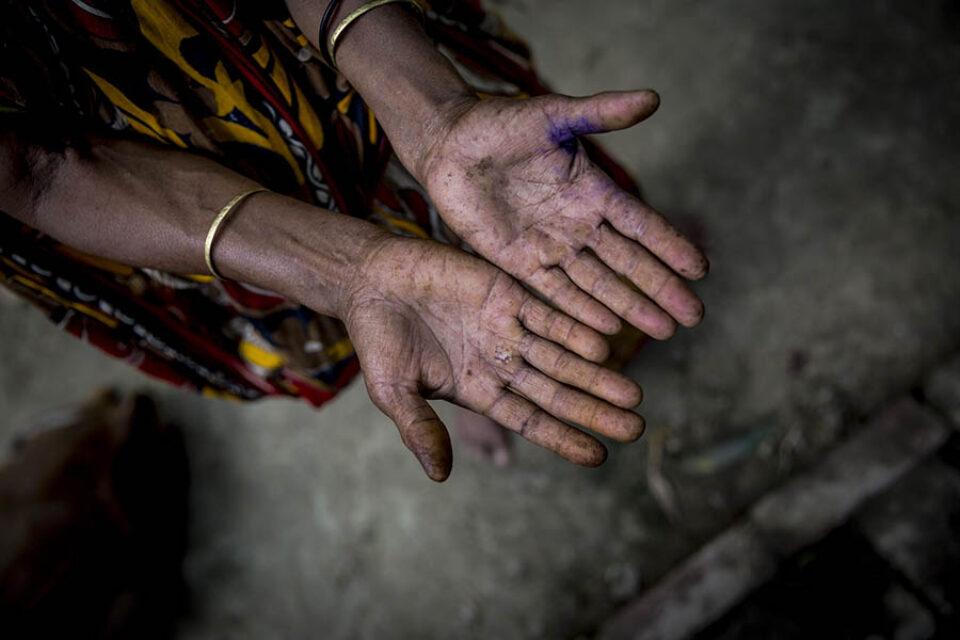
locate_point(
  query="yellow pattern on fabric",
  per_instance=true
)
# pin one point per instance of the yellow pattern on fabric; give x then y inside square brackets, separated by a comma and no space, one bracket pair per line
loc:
[406,225]
[301,39]
[262,55]
[344,105]
[259,356]
[182,79]
[372,124]
[309,120]
[210,392]
[104,264]
[142,121]
[165,28]
[197,277]
[310,382]
[340,350]
[279,76]
[68,304]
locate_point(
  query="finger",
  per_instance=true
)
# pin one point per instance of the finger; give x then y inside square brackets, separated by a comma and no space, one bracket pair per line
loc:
[637,221]
[420,429]
[523,417]
[557,326]
[603,284]
[661,285]
[575,406]
[606,111]
[568,368]
[554,284]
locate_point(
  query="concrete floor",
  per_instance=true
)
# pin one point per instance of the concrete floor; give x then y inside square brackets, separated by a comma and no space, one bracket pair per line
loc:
[812,146]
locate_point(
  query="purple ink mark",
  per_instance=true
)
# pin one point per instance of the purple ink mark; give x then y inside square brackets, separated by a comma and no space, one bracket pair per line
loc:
[564,134]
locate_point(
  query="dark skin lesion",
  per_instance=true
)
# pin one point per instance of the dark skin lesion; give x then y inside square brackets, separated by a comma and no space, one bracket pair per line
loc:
[479,170]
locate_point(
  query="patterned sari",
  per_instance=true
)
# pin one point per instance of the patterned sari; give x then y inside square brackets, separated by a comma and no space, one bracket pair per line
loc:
[240,84]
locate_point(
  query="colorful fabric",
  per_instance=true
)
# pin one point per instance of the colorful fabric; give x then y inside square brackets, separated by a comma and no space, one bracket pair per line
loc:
[240,84]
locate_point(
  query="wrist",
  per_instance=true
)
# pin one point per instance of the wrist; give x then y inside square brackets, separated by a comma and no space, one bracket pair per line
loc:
[309,255]
[395,270]
[388,58]
[417,150]
[413,89]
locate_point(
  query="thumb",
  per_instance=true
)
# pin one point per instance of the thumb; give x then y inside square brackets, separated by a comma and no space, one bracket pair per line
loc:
[607,111]
[420,429]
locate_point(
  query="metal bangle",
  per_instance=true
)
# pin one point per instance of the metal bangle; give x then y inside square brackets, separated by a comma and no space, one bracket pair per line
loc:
[354,15]
[325,28]
[229,208]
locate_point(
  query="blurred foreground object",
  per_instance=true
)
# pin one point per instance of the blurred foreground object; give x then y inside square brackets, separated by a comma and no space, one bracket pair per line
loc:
[93,514]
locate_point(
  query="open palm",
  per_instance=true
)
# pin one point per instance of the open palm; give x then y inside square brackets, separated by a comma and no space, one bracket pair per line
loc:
[429,321]
[511,178]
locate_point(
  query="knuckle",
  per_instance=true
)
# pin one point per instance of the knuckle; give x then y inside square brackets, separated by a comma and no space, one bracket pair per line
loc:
[600,286]
[635,262]
[520,378]
[525,313]
[597,234]
[665,280]
[597,379]
[643,226]
[563,360]
[552,318]
[526,344]
[565,327]
[528,427]
[569,260]
[562,402]
[594,415]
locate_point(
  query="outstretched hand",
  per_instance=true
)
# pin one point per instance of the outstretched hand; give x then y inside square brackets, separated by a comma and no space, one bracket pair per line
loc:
[511,178]
[429,321]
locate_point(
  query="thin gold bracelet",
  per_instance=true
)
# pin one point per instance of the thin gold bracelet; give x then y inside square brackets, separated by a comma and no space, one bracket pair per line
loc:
[356,14]
[229,208]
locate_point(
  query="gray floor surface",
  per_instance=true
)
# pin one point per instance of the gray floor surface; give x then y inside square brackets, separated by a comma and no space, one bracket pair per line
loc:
[812,146]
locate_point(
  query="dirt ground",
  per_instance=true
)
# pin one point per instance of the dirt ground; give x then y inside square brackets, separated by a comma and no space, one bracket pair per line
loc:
[813,147]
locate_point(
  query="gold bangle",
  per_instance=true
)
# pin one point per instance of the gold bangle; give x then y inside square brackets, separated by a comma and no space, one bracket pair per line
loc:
[217,223]
[354,15]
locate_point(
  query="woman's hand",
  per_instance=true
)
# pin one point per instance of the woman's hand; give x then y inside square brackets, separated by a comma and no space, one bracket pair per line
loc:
[426,319]
[431,321]
[511,178]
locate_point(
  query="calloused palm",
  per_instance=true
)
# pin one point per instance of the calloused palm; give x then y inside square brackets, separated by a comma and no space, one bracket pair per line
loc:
[511,178]
[429,321]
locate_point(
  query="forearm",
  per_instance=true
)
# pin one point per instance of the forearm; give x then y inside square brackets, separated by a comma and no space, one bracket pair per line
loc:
[386,55]
[151,207]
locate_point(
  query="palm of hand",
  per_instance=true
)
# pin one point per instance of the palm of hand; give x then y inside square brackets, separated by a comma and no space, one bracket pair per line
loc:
[439,323]
[510,177]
